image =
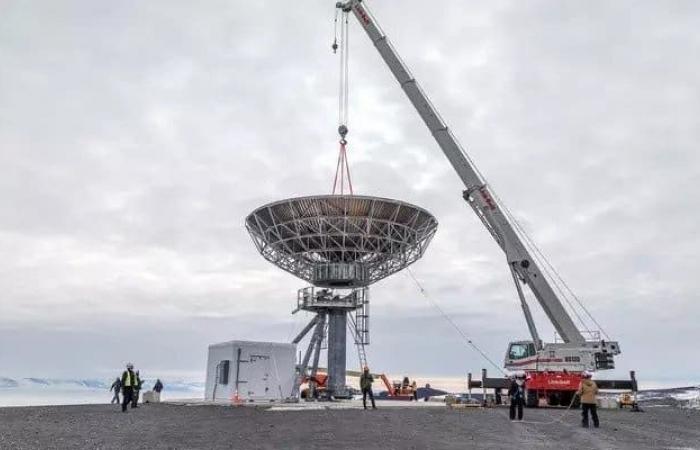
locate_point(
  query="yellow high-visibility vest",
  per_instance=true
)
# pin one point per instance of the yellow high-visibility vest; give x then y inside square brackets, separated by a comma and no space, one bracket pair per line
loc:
[128,381]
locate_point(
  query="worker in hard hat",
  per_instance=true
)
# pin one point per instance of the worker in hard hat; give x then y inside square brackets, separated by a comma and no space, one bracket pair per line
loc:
[366,380]
[137,391]
[116,387]
[128,384]
[588,392]
[516,392]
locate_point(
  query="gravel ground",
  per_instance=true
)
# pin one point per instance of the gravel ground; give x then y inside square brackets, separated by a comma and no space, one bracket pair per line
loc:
[215,427]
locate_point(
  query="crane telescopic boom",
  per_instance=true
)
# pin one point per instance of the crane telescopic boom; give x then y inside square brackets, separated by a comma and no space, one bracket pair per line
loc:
[478,194]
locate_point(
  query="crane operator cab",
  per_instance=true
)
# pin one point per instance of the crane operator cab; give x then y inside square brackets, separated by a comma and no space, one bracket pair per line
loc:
[521,350]
[519,354]
[591,355]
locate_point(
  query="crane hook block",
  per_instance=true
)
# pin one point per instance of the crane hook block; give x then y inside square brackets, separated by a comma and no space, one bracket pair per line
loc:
[343,131]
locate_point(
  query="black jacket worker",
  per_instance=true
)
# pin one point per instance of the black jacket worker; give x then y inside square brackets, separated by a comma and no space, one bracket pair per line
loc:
[128,384]
[516,392]
[116,387]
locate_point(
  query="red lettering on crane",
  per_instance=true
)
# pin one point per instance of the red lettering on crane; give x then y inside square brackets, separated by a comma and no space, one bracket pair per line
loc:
[363,14]
[487,198]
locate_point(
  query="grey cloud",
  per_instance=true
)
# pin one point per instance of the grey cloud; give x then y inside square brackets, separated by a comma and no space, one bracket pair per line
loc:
[135,138]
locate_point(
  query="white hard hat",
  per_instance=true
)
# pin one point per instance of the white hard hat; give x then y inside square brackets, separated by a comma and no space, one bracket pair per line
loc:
[129,366]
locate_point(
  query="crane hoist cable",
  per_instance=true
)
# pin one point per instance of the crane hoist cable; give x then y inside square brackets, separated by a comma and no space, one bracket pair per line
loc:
[557,281]
[340,42]
[547,267]
[334,46]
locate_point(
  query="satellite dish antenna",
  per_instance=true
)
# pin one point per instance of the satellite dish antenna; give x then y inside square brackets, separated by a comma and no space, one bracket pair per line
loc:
[340,244]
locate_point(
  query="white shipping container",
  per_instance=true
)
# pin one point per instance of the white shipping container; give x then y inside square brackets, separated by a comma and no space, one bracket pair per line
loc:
[257,371]
[150,397]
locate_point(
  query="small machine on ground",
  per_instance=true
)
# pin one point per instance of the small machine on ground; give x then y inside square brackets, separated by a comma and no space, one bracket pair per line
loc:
[400,390]
[396,390]
[628,400]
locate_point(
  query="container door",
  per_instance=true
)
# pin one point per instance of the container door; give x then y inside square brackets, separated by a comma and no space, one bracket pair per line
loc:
[256,376]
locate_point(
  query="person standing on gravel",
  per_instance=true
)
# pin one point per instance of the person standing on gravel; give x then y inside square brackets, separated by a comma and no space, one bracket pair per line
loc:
[157,389]
[588,392]
[516,392]
[116,387]
[137,390]
[366,380]
[128,382]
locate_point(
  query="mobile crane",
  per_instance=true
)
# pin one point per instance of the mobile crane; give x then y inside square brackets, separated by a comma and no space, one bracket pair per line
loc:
[554,369]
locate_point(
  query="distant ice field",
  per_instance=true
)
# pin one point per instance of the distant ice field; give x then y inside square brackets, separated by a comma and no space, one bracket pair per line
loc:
[44,391]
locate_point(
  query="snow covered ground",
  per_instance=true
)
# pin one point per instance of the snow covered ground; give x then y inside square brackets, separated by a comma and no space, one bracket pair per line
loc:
[683,397]
[49,391]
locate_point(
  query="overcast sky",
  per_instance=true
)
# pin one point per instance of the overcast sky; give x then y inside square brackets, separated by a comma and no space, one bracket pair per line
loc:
[136,136]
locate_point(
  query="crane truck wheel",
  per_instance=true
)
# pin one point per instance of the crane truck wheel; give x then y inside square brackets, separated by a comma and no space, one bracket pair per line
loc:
[554,399]
[566,398]
[531,398]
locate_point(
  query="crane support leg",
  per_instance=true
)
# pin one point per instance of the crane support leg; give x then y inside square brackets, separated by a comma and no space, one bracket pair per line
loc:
[526,311]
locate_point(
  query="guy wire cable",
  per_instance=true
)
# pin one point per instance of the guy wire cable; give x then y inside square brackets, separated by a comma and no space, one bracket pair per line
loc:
[451,322]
